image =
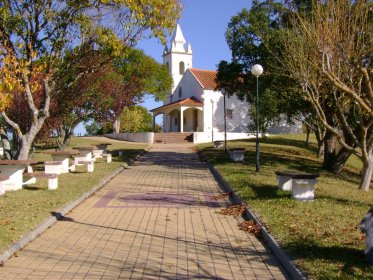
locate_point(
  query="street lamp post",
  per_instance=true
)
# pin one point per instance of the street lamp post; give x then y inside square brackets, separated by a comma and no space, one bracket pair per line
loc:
[212,120]
[257,70]
[225,125]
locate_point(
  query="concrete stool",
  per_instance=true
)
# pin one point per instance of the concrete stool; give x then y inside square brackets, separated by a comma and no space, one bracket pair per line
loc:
[366,226]
[53,167]
[3,179]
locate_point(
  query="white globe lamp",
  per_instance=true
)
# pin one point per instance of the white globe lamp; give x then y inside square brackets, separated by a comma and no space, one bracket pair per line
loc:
[257,70]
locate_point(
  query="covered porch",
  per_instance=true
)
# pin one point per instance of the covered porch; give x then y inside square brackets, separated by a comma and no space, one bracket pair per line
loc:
[185,115]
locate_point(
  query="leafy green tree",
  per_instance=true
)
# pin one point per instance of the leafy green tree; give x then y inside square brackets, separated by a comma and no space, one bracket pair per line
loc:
[103,94]
[36,35]
[253,37]
[141,75]
[136,119]
[92,127]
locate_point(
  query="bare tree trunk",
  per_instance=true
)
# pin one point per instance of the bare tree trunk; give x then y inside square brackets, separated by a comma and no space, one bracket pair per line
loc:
[308,131]
[320,143]
[24,150]
[329,151]
[38,118]
[335,157]
[6,144]
[320,149]
[116,126]
[367,172]
[68,132]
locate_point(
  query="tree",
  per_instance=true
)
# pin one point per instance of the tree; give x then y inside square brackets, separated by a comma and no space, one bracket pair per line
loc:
[142,75]
[103,94]
[36,35]
[92,128]
[330,55]
[136,119]
[253,37]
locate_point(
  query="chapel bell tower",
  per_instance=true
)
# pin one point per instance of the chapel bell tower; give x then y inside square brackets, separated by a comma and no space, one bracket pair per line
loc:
[178,57]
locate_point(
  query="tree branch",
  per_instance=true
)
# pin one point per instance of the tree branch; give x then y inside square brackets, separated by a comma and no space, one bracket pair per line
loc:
[339,84]
[12,124]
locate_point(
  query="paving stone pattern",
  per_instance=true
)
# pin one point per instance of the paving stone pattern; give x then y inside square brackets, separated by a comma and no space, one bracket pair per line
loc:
[156,220]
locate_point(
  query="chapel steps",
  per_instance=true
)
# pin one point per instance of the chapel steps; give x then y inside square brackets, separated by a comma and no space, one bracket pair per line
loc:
[173,137]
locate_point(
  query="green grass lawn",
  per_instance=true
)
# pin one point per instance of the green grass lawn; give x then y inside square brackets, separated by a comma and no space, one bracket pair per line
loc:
[22,211]
[322,237]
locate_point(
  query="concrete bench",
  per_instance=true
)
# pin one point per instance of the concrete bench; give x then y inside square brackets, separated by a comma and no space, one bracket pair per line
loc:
[30,168]
[89,163]
[52,179]
[108,157]
[218,144]
[3,179]
[237,154]
[53,167]
[302,185]
[97,153]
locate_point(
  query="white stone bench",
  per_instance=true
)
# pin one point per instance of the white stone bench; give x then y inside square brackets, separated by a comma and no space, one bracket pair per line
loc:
[3,179]
[237,154]
[53,167]
[218,144]
[97,153]
[52,179]
[108,157]
[90,164]
[302,185]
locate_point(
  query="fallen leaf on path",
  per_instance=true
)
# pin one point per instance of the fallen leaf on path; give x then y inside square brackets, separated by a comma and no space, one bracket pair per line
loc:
[233,210]
[221,196]
[251,227]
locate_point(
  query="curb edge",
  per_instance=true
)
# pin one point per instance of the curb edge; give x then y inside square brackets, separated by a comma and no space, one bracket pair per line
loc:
[282,257]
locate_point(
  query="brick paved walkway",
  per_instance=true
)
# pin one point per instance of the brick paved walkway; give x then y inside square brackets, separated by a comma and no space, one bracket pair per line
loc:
[156,220]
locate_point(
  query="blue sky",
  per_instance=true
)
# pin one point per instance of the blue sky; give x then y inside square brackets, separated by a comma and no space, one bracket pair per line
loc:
[203,23]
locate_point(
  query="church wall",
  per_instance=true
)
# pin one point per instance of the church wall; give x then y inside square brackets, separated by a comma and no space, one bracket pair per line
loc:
[239,120]
[174,62]
[189,87]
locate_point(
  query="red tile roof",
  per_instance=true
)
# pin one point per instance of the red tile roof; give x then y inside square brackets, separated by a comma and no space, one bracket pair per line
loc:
[206,78]
[191,101]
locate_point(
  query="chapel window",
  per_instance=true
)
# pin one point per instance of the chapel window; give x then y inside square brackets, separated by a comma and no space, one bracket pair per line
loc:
[229,113]
[181,68]
[180,92]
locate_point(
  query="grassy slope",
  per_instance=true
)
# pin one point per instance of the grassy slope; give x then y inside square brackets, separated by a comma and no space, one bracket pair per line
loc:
[23,210]
[321,236]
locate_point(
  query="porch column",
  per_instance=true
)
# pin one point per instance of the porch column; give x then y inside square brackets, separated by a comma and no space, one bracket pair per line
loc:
[169,123]
[153,122]
[181,120]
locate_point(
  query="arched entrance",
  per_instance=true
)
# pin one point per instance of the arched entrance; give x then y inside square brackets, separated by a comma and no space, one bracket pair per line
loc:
[185,115]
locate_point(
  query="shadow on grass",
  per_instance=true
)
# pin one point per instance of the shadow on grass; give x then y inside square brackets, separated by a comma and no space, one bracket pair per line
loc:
[349,260]
[280,141]
[346,201]
[32,188]
[266,191]
[268,160]
[124,155]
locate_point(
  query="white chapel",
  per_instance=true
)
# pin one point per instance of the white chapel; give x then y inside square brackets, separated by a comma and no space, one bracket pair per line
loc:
[194,105]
